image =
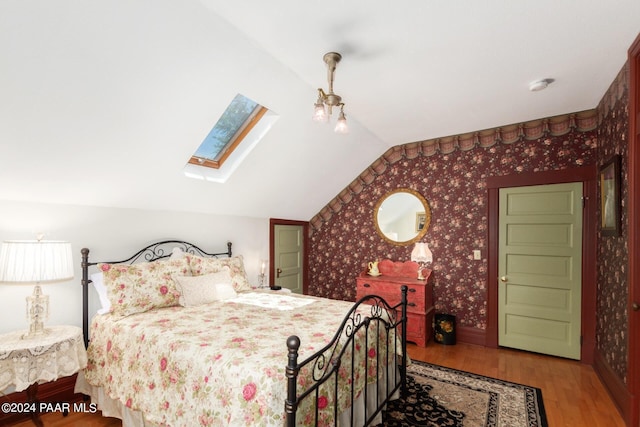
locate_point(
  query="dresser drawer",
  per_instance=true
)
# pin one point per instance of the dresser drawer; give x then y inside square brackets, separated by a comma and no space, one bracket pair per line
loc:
[419,298]
[416,295]
[416,326]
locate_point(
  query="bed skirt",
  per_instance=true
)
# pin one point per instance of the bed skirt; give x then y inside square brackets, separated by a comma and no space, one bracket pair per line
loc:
[131,418]
[110,407]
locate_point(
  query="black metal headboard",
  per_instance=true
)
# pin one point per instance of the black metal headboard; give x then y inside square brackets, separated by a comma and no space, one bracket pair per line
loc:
[153,252]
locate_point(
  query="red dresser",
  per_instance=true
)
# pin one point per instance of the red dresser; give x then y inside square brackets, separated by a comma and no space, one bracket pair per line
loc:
[420,296]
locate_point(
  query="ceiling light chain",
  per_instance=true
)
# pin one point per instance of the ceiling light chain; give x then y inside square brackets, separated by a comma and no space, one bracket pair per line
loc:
[330,99]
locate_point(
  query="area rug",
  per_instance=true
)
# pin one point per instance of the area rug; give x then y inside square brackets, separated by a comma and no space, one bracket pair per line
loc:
[439,396]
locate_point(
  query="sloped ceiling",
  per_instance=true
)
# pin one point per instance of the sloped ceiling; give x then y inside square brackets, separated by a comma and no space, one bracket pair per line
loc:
[103,102]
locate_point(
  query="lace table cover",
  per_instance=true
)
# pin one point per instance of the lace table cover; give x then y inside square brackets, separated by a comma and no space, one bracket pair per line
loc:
[41,359]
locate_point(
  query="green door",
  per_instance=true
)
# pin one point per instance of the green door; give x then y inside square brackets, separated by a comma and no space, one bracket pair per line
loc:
[288,245]
[540,269]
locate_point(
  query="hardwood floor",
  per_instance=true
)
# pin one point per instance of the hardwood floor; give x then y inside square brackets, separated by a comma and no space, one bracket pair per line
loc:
[572,393]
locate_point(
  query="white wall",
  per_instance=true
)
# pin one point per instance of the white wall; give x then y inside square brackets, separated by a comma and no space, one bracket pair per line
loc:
[112,234]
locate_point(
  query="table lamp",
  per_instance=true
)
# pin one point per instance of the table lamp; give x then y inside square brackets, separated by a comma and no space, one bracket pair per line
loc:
[263,273]
[421,254]
[36,261]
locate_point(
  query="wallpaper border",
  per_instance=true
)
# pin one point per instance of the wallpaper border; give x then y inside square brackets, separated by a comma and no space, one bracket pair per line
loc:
[583,121]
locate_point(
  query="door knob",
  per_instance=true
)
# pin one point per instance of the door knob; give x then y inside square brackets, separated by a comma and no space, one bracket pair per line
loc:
[635,306]
[504,279]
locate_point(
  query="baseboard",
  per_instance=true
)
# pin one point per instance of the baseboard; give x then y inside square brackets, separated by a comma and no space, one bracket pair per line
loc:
[59,391]
[615,386]
[470,335]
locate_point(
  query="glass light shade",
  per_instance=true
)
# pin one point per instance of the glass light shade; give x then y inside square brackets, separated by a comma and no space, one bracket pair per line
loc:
[320,113]
[341,125]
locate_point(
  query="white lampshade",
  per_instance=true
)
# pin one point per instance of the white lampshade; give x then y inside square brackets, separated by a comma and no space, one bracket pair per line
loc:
[421,253]
[35,261]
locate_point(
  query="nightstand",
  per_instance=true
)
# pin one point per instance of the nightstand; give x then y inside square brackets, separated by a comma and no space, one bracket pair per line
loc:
[26,363]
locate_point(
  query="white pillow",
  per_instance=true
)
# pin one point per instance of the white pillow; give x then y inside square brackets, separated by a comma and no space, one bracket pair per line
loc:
[203,265]
[98,284]
[225,291]
[196,290]
[177,253]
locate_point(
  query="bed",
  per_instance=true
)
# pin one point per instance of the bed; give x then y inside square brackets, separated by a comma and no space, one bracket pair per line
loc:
[182,339]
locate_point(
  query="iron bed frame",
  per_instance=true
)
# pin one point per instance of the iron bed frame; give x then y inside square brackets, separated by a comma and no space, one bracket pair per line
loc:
[153,252]
[326,362]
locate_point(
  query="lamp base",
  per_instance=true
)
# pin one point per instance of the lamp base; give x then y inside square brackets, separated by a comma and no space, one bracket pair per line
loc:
[262,281]
[37,313]
[36,332]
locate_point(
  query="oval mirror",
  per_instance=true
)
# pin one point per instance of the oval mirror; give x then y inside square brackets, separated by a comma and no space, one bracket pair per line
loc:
[402,216]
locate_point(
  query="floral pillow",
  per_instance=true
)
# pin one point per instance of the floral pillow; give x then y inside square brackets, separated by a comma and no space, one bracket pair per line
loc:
[141,287]
[200,266]
[197,290]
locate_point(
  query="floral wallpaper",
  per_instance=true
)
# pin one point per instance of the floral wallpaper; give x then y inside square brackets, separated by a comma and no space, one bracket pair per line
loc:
[451,173]
[613,259]
[453,180]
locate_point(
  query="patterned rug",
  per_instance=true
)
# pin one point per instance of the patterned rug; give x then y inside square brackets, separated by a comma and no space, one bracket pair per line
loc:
[439,396]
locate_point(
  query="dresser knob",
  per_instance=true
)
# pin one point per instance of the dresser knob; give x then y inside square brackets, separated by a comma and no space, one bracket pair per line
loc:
[412,290]
[411,304]
[366,285]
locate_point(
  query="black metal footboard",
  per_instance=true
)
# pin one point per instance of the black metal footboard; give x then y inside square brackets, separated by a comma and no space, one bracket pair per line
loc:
[336,370]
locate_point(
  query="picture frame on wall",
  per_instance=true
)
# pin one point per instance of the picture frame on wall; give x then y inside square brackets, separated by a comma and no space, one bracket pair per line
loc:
[609,180]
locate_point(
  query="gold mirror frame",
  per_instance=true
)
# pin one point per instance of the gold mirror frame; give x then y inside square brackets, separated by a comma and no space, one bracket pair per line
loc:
[422,220]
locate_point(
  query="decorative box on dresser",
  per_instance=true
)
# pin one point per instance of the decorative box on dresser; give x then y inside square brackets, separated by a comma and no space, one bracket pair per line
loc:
[420,308]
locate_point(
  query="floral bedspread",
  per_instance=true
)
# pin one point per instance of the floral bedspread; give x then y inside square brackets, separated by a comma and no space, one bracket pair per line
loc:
[217,364]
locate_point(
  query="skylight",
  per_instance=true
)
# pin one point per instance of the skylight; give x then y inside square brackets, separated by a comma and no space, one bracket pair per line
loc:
[238,130]
[236,122]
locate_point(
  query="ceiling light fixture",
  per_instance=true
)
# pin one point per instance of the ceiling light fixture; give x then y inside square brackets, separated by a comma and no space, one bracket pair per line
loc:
[326,101]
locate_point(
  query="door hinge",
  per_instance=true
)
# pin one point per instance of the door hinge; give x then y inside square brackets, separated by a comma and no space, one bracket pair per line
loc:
[584,201]
[581,339]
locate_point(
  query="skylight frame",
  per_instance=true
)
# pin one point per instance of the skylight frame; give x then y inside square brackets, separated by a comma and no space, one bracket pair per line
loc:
[224,153]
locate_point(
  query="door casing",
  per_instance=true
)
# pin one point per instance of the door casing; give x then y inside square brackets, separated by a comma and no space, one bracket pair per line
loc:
[588,176]
[634,232]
